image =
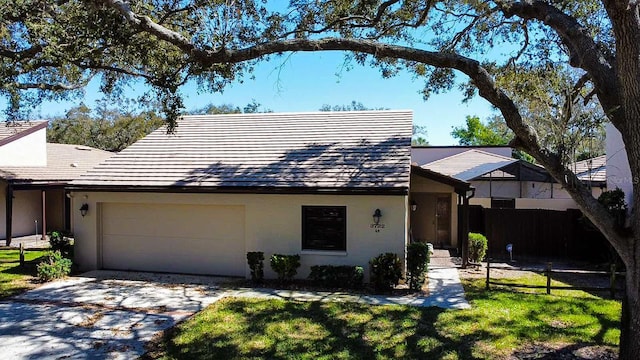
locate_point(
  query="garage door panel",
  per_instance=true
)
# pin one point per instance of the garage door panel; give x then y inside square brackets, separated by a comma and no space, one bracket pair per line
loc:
[194,239]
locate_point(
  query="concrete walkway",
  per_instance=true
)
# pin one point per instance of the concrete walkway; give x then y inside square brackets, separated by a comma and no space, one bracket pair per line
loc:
[29,242]
[112,314]
[445,289]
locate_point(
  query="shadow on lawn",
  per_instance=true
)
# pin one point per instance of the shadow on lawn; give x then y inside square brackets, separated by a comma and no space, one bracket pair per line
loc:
[500,324]
[255,329]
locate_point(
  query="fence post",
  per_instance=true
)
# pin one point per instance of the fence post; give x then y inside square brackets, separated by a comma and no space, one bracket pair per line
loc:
[548,271]
[488,269]
[21,254]
[612,281]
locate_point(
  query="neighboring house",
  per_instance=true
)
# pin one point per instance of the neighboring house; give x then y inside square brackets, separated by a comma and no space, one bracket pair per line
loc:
[33,175]
[196,201]
[618,171]
[501,181]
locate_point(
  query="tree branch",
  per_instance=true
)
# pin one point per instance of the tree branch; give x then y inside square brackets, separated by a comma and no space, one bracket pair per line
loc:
[584,52]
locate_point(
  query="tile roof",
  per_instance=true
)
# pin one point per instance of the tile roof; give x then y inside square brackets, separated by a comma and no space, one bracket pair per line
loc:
[594,169]
[470,164]
[360,149]
[64,163]
[10,131]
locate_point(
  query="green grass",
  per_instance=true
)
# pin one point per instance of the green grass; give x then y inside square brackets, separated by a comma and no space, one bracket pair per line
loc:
[14,278]
[499,322]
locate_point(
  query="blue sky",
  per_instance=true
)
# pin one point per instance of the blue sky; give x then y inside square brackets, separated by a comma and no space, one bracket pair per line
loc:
[306,81]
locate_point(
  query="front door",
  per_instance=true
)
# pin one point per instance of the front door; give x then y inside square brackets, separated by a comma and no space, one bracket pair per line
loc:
[443,221]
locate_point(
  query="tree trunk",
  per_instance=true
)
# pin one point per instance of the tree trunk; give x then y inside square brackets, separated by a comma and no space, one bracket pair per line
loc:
[630,321]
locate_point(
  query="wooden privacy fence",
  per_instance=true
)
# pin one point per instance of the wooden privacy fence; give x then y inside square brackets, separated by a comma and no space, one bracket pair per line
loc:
[539,233]
[548,273]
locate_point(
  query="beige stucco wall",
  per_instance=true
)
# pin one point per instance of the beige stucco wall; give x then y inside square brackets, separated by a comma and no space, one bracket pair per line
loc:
[27,208]
[30,150]
[272,224]
[424,192]
[484,202]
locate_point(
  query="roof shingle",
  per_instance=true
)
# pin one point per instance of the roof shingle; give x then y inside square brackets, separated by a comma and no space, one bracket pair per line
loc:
[361,149]
[64,163]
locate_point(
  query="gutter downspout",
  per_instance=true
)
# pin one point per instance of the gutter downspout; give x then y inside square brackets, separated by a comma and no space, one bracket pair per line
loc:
[465,225]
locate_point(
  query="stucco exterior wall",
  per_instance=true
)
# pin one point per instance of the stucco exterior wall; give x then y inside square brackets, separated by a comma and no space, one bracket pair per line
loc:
[273,224]
[423,223]
[27,208]
[618,171]
[30,150]
[548,204]
[484,202]
[500,189]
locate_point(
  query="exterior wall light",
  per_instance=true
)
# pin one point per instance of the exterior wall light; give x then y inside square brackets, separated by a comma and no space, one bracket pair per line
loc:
[414,205]
[376,216]
[84,209]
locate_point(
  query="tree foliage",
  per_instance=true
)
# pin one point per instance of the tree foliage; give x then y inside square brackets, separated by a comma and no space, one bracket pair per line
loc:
[107,129]
[211,109]
[541,64]
[476,133]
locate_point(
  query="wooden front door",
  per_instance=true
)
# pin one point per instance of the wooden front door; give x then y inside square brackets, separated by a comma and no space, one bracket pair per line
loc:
[443,220]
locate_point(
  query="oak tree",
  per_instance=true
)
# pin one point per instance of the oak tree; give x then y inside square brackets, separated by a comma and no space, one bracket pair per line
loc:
[51,49]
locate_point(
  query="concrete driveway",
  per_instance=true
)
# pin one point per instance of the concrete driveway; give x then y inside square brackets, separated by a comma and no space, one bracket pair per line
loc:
[100,315]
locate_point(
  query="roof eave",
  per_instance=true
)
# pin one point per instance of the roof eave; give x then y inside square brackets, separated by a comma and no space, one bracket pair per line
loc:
[403,190]
[460,186]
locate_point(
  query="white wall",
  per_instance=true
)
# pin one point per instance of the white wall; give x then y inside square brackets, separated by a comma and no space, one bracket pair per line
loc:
[30,150]
[618,171]
[273,224]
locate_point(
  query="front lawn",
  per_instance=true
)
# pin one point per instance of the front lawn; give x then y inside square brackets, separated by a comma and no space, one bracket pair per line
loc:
[500,323]
[13,278]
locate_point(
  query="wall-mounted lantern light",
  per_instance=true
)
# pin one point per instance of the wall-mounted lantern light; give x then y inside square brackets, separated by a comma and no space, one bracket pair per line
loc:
[414,205]
[84,209]
[376,216]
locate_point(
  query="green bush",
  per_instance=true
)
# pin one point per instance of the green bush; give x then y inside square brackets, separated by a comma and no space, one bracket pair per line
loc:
[55,266]
[477,247]
[286,266]
[256,264]
[60,242]
[613,200]
[343,276]
[386,272]
[417,264]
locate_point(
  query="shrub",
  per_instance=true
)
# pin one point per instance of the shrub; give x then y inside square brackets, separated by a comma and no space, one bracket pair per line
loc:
[286,266]
[343,276]
[477,247]
[55,266]
[60,242]
[417,264]
[613,200]
[256,264]
[386,271]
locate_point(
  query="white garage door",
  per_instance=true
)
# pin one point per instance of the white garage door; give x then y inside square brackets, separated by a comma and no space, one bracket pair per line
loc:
[190,239]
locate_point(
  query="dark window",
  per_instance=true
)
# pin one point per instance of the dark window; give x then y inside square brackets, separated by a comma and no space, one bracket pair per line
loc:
[503,203]
[324,228]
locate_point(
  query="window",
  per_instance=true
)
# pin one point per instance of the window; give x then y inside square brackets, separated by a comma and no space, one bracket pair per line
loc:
[497,203]
[324,228]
